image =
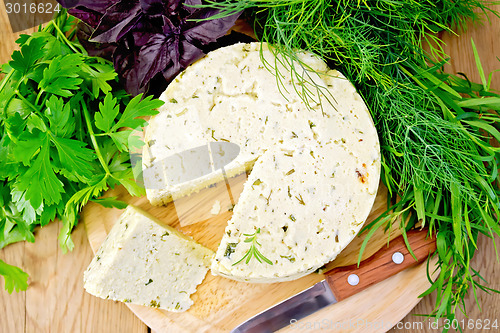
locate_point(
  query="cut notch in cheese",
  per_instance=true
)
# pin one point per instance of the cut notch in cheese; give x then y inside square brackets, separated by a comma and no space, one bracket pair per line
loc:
[314,170]
[145,263]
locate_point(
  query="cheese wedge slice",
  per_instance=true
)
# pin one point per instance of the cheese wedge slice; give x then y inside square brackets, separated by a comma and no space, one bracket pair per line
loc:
[145,263]
[314,168]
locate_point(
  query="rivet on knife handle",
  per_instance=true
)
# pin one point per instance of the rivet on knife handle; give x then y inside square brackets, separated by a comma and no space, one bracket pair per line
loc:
[349,280]
[341,283]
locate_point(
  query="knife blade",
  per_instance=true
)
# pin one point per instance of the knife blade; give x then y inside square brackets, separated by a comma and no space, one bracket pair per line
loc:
[343,282]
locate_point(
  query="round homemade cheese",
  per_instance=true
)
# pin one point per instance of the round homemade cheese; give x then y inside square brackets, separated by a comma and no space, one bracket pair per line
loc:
[314,168]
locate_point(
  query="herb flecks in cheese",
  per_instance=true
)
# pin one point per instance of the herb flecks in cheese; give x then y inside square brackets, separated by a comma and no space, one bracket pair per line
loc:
[145,263]
[314,170]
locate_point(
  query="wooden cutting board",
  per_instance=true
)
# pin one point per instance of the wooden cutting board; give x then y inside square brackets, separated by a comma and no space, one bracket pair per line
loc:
[221,304]
[56,301]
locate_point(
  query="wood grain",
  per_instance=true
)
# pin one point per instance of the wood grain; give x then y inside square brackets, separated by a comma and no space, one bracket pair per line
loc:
[76,311]
[380,266]
[221,304]
[55,300]
[486,263]
[13,307]
[485,35]
[356,314]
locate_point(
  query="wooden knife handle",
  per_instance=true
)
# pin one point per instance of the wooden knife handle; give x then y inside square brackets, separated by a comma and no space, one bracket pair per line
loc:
[380,266]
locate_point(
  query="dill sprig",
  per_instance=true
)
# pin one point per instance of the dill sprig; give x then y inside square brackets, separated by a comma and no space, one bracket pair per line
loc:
[253,251]
[437,156]
[435,129]
[364,37]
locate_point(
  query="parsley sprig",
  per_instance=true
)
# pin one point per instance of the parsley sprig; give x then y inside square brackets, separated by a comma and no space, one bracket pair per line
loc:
[66,130]
[253,251]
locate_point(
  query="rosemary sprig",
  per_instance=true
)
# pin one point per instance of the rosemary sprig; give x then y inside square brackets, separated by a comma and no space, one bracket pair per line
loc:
[253,251]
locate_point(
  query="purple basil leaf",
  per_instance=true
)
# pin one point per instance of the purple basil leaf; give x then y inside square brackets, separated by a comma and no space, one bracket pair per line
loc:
[83,34]
[118,20]
[88,11]
[187,54]
[160,7]
[97,5]
[208,31]
[68,3]
[189,3]
[140,39]
[170,28]
[124,59]
[153,58]
[174,53]
[130,66]
[150,39]
[180,52]
[90,17]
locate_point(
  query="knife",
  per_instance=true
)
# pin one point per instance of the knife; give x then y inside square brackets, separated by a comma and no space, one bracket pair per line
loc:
[343,282]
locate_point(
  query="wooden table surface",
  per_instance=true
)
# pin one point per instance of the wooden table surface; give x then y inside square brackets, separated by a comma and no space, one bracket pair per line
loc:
[56,301]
